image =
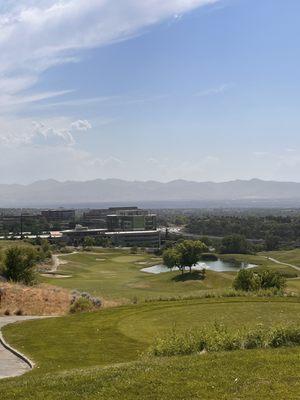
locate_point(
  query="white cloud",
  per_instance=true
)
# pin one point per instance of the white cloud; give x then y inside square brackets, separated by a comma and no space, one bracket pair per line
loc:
[81,125]
[215,90]
[36,35]
[54,132]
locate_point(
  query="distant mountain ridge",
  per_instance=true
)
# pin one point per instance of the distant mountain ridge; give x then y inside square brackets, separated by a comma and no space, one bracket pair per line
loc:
[41,193]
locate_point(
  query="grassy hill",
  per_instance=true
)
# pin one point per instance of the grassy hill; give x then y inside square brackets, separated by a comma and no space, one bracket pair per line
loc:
[86,351]
[101,355]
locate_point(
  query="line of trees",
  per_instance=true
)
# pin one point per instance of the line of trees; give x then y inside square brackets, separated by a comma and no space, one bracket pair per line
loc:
[274,230]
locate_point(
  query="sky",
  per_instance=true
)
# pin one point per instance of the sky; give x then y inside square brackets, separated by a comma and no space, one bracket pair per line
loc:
[203,90]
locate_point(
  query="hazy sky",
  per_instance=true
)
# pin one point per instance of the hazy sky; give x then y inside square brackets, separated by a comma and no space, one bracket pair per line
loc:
[152,89]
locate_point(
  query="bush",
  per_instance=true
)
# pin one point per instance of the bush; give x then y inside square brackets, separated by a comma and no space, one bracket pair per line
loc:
[19,264]
[134,250]
[271,279]
[84,302]
[248,280]
[218,338]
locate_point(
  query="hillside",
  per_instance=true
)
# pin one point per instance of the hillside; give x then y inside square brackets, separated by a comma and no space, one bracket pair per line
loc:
[51,192]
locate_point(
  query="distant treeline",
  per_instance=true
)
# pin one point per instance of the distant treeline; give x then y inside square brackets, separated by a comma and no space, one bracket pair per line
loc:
[281,229]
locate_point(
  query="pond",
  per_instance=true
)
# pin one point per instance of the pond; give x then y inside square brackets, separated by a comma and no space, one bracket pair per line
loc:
[218,266]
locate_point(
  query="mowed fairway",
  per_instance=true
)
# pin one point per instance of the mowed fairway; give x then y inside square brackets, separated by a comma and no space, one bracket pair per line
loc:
[71,353]
[116,275]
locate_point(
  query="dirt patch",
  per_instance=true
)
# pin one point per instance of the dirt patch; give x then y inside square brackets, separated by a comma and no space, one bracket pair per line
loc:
[36,300]
[139,285]
[56,276]
[106,303]
[100,259]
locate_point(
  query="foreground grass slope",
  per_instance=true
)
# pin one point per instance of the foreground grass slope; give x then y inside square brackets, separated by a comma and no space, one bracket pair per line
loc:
[120,334]
[241,375]
[98,355]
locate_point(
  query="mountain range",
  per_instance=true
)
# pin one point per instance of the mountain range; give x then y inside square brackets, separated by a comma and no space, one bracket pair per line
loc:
[54,193]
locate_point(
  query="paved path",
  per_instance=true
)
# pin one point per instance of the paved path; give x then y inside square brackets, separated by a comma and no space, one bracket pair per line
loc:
[10,364]
[282,263]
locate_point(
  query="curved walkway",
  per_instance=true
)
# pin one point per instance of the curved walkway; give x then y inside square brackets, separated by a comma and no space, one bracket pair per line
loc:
[282,263]
[10,364]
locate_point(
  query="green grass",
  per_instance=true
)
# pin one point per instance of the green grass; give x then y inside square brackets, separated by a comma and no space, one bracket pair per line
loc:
[78,357]
[119,334]
[288,256]
[241,375]
[99,355]
[5,244]
[115,275]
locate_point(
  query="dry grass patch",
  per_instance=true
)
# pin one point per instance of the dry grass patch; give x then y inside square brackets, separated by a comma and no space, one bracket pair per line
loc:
[35,300]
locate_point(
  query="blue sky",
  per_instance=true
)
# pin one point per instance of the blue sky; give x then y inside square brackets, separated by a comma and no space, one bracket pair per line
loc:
[174,89]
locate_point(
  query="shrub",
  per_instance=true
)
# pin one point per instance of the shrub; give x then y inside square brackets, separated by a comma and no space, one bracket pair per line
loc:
[279,337]
[271,279]
[218,338]
[82,304]
[19,264]
[248,280]
[254,339]
[134,250]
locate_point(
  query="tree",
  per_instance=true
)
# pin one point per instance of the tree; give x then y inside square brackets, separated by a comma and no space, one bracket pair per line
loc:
[234,244]
[44,250]
[88,242]
[190,252]
[171,259]
[185,254]
[19,264]
[272,242]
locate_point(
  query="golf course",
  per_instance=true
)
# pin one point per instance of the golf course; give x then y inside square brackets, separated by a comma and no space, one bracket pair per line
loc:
[104,354]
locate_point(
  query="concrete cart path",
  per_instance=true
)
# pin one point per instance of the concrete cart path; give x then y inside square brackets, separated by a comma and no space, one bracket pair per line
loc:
[10,364]
[283,263]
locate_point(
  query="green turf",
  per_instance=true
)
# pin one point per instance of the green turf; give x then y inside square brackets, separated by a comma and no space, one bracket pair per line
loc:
[115,274]
[119,334]
[5,244]
[288,256]
[241,375]
[98,355]
[95,343]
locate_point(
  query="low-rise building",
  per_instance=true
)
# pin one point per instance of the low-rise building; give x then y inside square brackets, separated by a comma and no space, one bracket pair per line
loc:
[131,220]
[60,215]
